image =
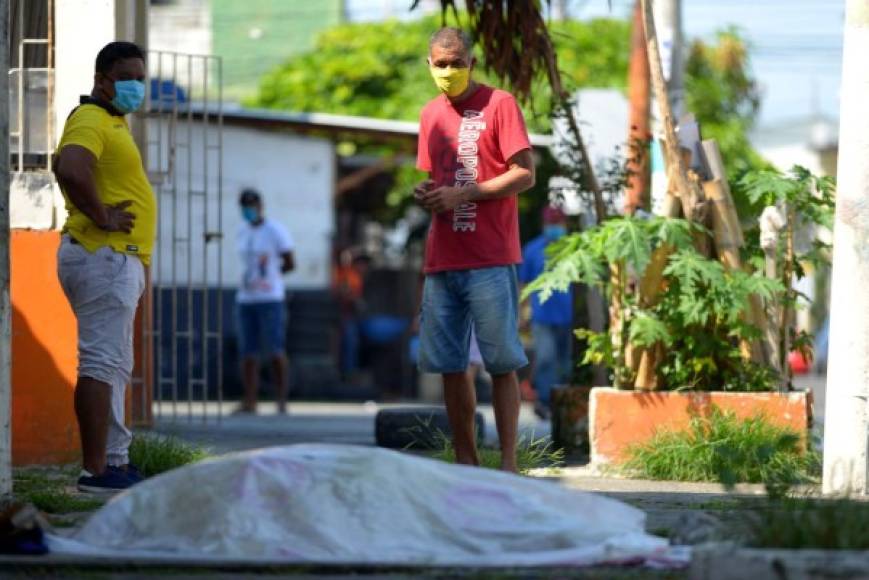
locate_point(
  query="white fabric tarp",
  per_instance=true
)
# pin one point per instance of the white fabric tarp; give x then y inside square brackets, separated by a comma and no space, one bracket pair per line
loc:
[358,505]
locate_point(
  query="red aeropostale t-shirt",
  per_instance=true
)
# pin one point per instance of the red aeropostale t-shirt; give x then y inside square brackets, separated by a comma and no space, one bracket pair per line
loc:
[465,144]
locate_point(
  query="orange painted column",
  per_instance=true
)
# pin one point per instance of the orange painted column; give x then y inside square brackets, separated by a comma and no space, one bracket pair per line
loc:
[44,358]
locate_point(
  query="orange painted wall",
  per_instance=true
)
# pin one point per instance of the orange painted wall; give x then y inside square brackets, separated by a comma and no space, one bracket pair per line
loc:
[620,419]
[44,335]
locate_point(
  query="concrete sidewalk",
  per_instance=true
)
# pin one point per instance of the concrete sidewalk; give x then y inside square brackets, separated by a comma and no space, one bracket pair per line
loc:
[344,423]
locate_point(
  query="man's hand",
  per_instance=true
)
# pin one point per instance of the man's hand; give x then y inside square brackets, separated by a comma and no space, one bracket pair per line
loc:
[444,198]
[420,190]
[117,219]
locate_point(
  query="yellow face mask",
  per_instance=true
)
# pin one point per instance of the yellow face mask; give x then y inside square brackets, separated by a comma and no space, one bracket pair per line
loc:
[450,80]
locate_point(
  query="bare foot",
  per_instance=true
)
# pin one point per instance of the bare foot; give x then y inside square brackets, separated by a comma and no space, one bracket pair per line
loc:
[509,465]
[468,460]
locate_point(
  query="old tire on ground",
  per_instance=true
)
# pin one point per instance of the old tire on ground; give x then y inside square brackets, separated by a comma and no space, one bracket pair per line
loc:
[416,428]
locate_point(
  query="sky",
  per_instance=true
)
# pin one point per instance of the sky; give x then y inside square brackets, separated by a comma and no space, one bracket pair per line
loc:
[796,45]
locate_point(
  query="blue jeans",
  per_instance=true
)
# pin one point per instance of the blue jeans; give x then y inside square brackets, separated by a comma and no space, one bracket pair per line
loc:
[350,346]
[488,299]
[262,328]
[552,362]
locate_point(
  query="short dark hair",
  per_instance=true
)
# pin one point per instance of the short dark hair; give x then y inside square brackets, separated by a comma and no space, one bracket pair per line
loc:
[115,51]
[450,36]
[249,196]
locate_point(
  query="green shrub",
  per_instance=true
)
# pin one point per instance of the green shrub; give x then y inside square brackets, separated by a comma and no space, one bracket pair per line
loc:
[726,449]
[47,489]
[155,454]
[809,523]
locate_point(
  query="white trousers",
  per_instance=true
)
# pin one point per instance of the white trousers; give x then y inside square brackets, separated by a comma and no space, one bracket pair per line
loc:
[103,289]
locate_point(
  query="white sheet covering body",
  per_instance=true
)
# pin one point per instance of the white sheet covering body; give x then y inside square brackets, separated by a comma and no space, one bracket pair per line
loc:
[347,504]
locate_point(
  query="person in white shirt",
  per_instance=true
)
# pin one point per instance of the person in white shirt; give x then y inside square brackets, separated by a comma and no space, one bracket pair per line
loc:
[266,251]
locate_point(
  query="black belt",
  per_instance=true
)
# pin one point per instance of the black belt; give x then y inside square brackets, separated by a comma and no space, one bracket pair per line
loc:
[72,240]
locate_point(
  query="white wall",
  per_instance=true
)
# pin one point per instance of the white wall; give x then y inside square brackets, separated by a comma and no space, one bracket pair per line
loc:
[296,177]
[784,157]
[82,28]
[182,26]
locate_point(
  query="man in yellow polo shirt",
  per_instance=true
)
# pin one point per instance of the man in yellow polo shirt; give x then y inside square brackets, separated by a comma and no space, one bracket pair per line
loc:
[107,241]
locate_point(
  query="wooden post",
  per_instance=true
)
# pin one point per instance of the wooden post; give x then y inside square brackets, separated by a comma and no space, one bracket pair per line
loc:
[789,296]
[644,361]
[728,241]
[689,192]
[618,283]
[639,96]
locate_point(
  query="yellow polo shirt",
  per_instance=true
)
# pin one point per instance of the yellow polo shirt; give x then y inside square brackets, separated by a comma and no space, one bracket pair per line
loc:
[119,176]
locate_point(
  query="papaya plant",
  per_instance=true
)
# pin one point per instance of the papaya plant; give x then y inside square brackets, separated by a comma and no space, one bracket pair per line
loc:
[803,204]
[665,298]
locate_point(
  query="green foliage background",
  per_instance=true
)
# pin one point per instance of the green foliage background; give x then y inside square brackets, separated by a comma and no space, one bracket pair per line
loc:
[379,70]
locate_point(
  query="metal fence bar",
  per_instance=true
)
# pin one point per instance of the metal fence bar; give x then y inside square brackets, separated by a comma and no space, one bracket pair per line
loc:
[189,200]
[219,202]
[174,284]
[204,285]
[20,130]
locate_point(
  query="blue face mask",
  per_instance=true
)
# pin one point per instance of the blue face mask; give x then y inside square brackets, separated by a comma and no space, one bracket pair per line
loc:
[250,214]
[129,96]
[554,231]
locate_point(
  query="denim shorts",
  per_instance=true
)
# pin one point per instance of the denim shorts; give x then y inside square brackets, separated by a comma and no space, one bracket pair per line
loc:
[262,328]
[453,302]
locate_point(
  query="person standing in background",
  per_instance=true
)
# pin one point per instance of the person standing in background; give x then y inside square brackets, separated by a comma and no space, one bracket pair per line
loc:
[266,251]
[551,321]
[348,286]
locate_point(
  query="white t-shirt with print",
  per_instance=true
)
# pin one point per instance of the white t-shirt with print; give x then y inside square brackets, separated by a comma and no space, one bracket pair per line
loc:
[260,248]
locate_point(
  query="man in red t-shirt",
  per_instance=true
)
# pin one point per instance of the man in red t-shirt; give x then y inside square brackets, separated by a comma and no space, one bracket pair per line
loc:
[474,145]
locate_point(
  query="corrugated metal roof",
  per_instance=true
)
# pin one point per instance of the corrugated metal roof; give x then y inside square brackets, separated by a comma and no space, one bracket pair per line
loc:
[329,122]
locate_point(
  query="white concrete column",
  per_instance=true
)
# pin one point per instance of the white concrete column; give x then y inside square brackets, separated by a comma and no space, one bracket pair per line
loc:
[846,431]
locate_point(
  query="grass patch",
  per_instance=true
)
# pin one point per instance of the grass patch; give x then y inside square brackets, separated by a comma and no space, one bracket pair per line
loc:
[155,454]
[47,489]
[61,502]
[531,454]
[723,448]
[808,523]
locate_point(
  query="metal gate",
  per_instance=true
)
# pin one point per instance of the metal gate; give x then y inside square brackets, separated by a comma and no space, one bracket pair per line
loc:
[180,339]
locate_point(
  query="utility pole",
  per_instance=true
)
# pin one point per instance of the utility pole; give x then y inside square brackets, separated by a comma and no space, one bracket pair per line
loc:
[5,304]
[846,428]
[668,23]
[639,96]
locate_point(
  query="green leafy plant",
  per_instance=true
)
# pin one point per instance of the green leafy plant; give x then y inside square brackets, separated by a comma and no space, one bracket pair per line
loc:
[156,454]
[694,313]
[803,523]
[807,204]
[724,448]
[531,453]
